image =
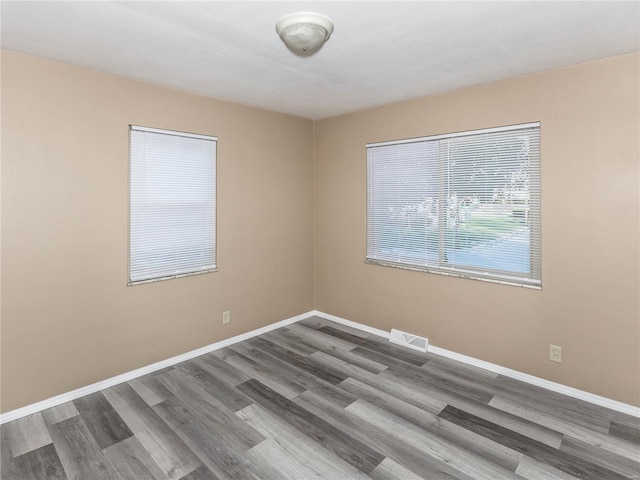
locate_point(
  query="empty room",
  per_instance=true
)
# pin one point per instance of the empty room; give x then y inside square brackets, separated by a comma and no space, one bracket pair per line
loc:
[389,240]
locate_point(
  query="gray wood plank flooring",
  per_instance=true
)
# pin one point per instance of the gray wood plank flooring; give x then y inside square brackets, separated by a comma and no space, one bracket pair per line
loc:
[319,400]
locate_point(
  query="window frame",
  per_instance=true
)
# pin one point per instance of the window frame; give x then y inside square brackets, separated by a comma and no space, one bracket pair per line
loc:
[174,133]
[533,280]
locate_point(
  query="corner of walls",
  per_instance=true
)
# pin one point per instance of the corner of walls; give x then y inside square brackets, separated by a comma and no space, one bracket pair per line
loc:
[313,185]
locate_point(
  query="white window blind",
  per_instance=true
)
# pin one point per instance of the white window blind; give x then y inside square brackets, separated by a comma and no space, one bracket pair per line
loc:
[173,204]
[465,204]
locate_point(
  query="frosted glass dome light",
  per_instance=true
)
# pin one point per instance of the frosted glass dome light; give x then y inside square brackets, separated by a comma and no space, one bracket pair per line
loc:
[304,32]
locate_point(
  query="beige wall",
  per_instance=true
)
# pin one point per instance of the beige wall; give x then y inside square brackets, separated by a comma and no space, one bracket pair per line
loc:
[68,317]
[590,230]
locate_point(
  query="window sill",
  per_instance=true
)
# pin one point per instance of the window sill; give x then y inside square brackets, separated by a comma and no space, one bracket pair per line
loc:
[469,275]
[170,277]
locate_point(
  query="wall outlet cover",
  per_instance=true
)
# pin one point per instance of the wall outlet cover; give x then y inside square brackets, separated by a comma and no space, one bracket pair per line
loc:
[555,353]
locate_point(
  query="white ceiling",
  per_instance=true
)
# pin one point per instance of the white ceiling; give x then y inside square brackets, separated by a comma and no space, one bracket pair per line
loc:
[380,52]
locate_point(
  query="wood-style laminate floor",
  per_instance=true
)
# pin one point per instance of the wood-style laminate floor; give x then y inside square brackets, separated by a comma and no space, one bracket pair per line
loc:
[317,400]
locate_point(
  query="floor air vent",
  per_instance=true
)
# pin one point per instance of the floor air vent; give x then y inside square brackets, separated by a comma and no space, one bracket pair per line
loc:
[408,340]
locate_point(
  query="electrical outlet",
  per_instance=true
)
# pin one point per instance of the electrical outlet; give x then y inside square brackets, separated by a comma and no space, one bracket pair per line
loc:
[555,353]
[226,317]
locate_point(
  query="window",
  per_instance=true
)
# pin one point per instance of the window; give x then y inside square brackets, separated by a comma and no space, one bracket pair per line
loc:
[172,228]
[464,204]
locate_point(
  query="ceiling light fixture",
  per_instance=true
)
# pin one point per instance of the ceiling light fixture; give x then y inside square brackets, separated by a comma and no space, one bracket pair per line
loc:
[304,32]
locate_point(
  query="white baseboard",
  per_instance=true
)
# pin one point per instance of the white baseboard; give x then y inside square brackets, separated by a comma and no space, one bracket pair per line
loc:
[95,387]
[507,372]
[125,377]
